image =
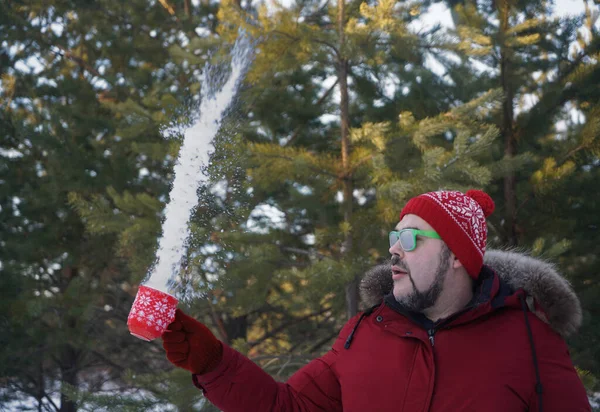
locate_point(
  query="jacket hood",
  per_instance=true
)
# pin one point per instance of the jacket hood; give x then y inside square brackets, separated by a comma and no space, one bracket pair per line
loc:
[540,279]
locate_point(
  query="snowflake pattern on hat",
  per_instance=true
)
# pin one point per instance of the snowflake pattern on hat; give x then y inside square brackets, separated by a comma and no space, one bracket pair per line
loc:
[467,214]
[153,308]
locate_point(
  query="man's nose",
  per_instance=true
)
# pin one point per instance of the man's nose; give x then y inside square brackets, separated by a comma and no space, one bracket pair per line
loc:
[396,249]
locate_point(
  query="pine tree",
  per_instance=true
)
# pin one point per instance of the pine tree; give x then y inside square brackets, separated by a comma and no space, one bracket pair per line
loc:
[348,43]
[546,69]
[563,200]
[86,172]
[272,284]
[85,91]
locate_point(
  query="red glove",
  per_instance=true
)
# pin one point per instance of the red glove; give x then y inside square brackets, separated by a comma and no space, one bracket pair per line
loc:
[190,345]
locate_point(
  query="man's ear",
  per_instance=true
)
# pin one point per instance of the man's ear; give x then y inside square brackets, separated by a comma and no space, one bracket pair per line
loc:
[456,264]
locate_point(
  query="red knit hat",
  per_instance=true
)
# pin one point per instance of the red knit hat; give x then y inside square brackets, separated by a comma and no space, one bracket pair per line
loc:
[460,221]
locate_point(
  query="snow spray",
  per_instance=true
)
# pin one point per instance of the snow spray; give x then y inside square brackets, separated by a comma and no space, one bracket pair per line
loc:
[154,307]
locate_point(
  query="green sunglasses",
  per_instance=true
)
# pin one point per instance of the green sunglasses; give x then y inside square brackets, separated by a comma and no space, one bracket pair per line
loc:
[408,237]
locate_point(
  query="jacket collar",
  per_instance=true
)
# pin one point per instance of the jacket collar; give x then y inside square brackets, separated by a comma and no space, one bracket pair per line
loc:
[489,293]
[504,276]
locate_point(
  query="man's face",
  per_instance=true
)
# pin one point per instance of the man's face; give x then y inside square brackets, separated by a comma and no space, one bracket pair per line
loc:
[419,275]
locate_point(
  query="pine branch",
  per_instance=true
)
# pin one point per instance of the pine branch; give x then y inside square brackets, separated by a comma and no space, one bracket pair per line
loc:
[289,36]
[322,342]
[65,53]
[304,252]
[318,103]
[167,6]
[331,46]
[217,320]
[540,106]
[283,326]
[80,62]
[306,358]
[531,195]
[323,42]
[573,152]
[362,161]
[326,173]
[284,366]
[108,361]
[300,342]
[44,393]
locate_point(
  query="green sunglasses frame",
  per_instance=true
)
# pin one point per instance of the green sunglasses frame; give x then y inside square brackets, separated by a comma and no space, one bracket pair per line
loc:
[415,232]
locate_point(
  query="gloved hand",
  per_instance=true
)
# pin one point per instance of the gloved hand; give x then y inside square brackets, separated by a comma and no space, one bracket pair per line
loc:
[190,345]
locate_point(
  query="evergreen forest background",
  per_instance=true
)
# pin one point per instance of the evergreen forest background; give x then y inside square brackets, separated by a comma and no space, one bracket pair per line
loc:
[349,108]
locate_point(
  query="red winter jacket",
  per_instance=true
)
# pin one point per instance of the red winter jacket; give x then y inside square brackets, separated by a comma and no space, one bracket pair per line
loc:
[386,359]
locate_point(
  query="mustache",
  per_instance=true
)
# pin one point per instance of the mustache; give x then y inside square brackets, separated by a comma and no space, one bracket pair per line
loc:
[395,261]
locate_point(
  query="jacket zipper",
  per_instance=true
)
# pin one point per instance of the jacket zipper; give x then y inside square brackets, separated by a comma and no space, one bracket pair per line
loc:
[431,333]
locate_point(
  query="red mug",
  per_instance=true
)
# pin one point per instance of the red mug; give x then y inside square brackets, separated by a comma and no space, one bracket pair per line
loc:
[152,311]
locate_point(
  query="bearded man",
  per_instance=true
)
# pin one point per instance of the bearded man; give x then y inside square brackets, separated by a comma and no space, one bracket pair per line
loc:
[444,331]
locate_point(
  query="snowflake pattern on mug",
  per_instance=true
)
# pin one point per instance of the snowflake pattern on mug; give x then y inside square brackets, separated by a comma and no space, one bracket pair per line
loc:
[160,306]
[144,300]
[152,311]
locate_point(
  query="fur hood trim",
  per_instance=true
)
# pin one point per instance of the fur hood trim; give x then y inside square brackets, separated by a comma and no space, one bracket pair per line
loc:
[540,279]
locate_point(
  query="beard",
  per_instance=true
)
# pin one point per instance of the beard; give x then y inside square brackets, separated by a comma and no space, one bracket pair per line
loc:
[416,300]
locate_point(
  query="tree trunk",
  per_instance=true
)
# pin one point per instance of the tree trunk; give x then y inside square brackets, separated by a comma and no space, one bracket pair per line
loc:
[237,327]
[40,384]
[69,355]
[508,130]
[352,286]
[68,369]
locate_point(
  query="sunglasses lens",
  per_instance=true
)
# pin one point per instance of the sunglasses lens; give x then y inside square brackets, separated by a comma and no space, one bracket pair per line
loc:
[393,238]
[407,240]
